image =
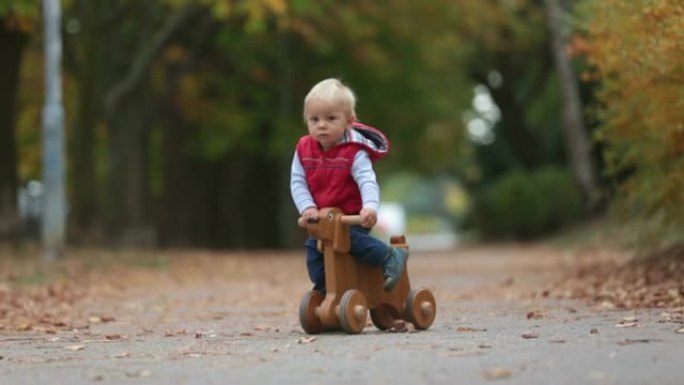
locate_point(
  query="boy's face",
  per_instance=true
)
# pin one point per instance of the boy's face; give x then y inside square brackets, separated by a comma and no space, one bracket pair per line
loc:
[327,122]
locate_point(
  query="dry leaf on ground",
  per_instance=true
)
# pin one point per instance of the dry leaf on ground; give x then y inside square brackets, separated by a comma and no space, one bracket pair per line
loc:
[651,281]
[496,374]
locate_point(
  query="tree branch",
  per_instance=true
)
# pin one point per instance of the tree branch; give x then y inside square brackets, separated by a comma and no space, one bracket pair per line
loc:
[144,59]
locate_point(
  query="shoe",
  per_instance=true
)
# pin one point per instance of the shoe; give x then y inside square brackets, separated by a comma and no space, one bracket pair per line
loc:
[395,263]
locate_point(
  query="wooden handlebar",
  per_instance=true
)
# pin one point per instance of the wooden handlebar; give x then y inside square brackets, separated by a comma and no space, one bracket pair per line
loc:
[349,220]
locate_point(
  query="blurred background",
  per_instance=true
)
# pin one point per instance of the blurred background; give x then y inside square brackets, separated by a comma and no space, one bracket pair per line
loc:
[509,119]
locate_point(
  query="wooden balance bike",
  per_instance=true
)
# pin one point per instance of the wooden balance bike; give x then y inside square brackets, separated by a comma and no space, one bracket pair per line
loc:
[352,288]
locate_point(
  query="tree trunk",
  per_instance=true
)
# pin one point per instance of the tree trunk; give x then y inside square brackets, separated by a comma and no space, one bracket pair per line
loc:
[577,142]
[184,211]
[12,44]
[92,72]
[183,218]
[126,110]
[245,211]
[128,172]
[260,204]
[289,234]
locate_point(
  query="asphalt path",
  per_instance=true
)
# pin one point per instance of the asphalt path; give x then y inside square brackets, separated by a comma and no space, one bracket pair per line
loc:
[233,319]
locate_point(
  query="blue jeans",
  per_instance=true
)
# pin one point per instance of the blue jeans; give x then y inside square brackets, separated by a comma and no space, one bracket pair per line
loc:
[364,247]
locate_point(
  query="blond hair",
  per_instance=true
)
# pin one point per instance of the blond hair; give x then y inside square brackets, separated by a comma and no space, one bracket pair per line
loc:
[335,92]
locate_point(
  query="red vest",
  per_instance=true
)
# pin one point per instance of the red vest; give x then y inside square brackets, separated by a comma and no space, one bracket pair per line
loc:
[328,174]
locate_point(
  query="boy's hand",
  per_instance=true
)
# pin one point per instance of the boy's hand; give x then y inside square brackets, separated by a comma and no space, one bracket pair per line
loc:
[368,217]
[310,213]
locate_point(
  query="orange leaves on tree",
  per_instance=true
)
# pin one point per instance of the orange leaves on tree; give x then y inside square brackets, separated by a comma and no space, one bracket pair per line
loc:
[635,49]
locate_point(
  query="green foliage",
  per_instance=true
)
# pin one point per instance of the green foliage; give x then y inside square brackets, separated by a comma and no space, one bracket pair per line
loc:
[19,15]
[229,82]
[405,76]
[514,42]
[523,204]
[21,8]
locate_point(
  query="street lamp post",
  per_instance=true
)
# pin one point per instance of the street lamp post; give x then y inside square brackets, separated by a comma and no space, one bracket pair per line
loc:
[54,208]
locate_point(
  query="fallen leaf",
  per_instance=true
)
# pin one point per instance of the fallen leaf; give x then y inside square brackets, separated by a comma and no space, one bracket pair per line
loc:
[306,340]
[680,331]
[465,329]
[171,333]
[113,337]
[142,373]
[23,327]
[75,347]
[557,341]
[262,328]
[530,335]
[674,293]
[463,353]
[535,314]
[594,331]
[401,326]
[652,280]
[623,324]
[629,341]
[496,374]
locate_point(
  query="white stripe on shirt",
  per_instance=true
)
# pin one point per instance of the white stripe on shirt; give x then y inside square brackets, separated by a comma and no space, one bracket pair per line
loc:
[362,172]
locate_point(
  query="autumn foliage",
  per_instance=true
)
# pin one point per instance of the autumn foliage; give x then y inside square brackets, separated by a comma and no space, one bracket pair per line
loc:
[635,51]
